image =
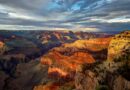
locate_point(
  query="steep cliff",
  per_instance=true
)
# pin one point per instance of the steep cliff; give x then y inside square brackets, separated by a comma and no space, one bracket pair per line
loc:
[112,74]
[69,56]
[119,45]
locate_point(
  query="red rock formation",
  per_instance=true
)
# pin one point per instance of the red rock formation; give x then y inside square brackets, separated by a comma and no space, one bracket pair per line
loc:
[51,86]
[1,44]
[61,65]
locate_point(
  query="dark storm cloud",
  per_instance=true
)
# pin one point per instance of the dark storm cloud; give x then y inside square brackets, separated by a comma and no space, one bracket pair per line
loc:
[101,14]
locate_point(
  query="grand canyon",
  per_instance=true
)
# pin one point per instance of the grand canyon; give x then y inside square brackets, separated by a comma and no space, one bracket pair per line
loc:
[64,60]
[64,44]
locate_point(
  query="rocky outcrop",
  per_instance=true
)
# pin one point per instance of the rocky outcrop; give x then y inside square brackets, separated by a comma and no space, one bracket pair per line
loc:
[98,77]
[86,81]
[49,86]
[63,62]
[112,74]
[118,83]
[65,59]
[119,45]
[91,44]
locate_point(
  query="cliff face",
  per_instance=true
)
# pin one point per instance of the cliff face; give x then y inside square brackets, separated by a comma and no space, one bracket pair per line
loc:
[119,44]
[86,81]
[98,77]
[112,74]
[117,82]
[65,59]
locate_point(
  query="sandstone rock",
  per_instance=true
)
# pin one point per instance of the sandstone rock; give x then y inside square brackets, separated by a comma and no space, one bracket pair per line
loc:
[119,44]
[121,83]
[87,81]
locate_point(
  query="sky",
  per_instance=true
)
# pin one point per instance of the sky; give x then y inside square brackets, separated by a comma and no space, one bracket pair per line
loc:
[85,15]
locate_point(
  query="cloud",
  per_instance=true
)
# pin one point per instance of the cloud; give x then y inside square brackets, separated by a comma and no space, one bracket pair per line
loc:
[91,15]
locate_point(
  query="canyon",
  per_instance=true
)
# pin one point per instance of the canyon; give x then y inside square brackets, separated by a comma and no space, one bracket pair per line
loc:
[64,60]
